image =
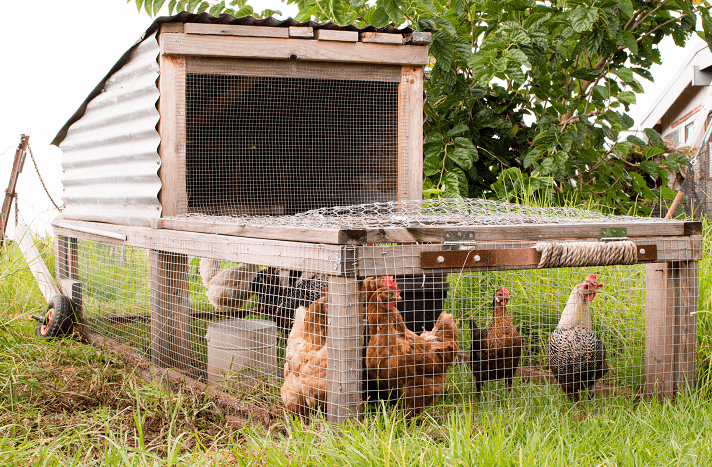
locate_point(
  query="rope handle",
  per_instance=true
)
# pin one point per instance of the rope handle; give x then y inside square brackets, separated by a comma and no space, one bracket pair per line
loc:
[563,255]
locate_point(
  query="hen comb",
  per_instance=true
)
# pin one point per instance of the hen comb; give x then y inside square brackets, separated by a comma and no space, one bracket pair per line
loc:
[593,279]
[390,283]
[504,290]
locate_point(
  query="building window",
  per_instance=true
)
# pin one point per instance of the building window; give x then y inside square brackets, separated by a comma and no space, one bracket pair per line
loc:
[688,132]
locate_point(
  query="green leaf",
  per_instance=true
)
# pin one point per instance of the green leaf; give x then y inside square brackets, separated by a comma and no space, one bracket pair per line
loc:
[637,141]
[139,4]
[394,10]
[622,149]
[626,74]
[652,151]
[202,7]
[650,167]
[157,6]
[460,7]
[626,6]
[432,165]
[530,158]
[458,129]
[626,96]
[356,4]
[451,184]
[674,161]
[630,42]
[192,4]
[216,9]
[147,5]
[655,138]
[582,18]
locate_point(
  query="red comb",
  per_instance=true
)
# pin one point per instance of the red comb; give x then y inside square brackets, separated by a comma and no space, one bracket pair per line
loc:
[504,290]
[390,283]
[592,278]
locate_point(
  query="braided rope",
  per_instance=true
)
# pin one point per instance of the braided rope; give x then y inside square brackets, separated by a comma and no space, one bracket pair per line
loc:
[563,255]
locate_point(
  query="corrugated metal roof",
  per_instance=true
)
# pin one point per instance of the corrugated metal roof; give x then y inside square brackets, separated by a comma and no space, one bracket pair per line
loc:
[110,156]
[205,18]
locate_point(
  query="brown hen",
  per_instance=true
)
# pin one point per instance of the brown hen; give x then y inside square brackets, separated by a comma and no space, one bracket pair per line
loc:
[304,387]
[413,366]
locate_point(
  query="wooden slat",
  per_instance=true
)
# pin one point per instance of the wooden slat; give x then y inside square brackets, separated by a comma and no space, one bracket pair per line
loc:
[331,35]
[524,232]
[170,28]
[302,32]
[686,325]
[170,310]
[303,234]
[259,47]
[171,127]
[344,358]
[235,30]
[265,252]
[660,330]
[39,270]
[406,259]
[410,134]
[419,38]
[381,38]
[294,69]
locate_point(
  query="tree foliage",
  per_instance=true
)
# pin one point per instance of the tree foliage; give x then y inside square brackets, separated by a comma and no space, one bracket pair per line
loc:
[529,98]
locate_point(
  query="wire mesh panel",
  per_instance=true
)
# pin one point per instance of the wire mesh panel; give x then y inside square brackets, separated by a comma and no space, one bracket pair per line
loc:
[267,137]
[314,338]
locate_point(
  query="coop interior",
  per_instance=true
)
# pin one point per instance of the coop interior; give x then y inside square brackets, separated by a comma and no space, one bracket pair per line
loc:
[268,137]
[289,327]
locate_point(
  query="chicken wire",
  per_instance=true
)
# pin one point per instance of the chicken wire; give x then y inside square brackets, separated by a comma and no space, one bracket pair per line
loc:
[424,213]
[271,138]
[245,332]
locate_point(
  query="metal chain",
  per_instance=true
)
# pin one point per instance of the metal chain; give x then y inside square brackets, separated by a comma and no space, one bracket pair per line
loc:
[40,176]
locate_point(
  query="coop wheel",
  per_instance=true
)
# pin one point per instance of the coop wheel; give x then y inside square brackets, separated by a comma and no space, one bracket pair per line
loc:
[58,319]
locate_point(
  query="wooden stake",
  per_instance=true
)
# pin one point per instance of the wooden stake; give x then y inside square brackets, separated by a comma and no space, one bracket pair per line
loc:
[10,194]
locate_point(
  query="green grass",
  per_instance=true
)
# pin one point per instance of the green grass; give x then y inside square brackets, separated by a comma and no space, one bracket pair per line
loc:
[67,403]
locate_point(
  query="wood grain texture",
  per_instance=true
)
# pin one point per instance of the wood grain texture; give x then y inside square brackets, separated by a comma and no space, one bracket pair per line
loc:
[171,128]
[406,259]
[344,352]
[331,35]
[686,325]
[381,38]
[34,260]
[410,134]
[260,47]
[660,330]
[302,32]
[170,310]
[235,30]
[265,252]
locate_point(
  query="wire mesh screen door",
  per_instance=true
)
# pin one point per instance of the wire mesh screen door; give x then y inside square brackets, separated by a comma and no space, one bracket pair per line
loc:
[272,138]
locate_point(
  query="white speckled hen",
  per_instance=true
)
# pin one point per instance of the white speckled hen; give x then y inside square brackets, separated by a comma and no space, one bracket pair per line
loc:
[577,356]
[228,289]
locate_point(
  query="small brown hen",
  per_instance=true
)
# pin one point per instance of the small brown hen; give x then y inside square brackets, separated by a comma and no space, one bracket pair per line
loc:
[496,349]
[413,366]
[304,387]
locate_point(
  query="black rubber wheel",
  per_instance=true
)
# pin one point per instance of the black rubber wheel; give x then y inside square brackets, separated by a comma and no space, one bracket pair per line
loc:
[58,319]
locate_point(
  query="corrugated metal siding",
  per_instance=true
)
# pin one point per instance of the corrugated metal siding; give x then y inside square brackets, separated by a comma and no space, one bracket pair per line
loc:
[110,155]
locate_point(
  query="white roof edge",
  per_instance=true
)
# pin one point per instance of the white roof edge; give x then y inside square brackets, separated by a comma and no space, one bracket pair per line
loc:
[700,56]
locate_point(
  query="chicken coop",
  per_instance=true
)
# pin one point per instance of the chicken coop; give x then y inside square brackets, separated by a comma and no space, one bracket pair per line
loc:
[243,206]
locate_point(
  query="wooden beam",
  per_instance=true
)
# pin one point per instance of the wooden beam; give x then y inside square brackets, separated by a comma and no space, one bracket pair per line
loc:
[406,259]
[281,254]
[381,38]
[259,47]
[235,30]
[344,351]
[17,163]
[39,270]
[170,310]
[659,331]
[418,38]
[332,35]
[410,134]
[278,232]
[171,127]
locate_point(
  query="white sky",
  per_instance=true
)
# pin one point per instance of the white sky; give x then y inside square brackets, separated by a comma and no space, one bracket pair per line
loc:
[54,54]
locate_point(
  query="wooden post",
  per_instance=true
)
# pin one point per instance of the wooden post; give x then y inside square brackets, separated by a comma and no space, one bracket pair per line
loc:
[410,134]
[170,310]
[344,353]
[171,127]
[17,164]
[670,328]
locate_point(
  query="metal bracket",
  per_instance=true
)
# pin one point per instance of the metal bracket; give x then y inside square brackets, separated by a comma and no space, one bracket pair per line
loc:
[459,236]
[614,233]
